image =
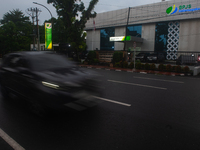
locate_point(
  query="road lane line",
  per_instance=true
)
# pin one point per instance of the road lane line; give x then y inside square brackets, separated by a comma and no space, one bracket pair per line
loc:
[158,79]
[112,101]
[10,141]
[161,88]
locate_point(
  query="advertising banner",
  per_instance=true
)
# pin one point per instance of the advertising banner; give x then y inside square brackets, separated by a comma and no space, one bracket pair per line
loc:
[48,36]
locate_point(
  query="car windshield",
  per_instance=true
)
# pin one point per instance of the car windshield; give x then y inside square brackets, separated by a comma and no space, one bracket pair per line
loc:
[50,61]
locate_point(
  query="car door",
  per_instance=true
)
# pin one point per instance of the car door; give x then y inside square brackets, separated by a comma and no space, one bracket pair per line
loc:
[9,73]
[24,78]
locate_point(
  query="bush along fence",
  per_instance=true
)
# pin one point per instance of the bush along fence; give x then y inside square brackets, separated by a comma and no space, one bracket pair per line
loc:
[118,61]
[163,68]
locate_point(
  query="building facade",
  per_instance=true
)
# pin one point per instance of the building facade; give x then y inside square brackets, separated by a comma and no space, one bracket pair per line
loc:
[168,26]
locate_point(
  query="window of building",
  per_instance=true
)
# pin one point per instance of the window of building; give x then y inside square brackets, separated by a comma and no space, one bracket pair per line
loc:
[134,31]
[105,43]
[161,36]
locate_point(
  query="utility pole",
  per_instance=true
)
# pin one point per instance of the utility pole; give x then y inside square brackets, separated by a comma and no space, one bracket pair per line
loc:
[126,28]
[38,31]
[31,11]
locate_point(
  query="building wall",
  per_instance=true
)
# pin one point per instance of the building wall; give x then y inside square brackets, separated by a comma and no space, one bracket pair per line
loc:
[150,13]
[119,31]
[189,35]
[93,40]
[148,35]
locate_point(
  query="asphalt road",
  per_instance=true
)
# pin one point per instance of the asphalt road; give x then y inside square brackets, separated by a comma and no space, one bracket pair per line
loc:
[137,111]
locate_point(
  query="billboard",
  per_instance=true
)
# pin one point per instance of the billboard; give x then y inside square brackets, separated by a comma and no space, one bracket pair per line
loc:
[48,36]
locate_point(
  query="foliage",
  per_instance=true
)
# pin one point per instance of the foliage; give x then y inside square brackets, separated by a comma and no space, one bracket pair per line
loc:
[173,68]
[169,68]
[138,65]
[70,27]
[125,64]
[91,57]
[186,69]
[117,56]
[161,67]
[15,32]
[178,69]
[95,60]
[153,67]
[146,66]
[142,66]
[131,65]
[117,65]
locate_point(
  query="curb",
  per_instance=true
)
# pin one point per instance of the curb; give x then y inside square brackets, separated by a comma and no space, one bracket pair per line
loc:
[136,71]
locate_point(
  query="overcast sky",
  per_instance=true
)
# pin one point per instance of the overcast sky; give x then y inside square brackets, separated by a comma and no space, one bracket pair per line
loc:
[102,6]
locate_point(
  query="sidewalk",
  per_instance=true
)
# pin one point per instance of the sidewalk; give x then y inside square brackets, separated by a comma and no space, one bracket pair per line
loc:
[136,70]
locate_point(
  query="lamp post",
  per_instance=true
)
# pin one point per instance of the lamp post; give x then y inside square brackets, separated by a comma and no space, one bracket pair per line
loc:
[51,20]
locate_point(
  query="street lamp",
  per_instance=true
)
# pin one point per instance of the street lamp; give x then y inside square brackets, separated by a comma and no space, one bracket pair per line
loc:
[51,20]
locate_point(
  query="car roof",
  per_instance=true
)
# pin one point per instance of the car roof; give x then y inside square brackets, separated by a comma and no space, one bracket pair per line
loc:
[30,53]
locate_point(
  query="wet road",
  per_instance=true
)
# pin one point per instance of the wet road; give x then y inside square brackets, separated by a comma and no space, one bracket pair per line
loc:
[137,111]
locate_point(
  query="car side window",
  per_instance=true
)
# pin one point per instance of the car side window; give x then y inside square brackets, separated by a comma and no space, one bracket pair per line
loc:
[11,61]
[22,63]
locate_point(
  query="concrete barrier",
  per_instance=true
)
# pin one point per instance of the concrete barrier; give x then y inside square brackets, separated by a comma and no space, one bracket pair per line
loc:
[196,70]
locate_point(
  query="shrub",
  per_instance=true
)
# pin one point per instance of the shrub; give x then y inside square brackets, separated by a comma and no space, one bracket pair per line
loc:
[186,69]
[117,65]
[137,61]
[161,67]
[131,65]
[91,57]
[142,66]
[178,68]
[164,67]
[95,60]
[117,57]
[147,66]
[125,64]
[138,65]
[173,68]
[169,67]
[153,67]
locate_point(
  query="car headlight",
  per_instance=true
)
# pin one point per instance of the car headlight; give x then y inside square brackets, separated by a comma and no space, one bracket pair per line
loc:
[51,85]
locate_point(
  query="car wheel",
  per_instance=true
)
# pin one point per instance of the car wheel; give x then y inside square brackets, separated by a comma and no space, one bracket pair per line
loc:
[5,93]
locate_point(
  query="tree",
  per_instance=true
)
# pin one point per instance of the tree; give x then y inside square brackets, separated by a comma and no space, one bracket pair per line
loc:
[72,27]
[15,32]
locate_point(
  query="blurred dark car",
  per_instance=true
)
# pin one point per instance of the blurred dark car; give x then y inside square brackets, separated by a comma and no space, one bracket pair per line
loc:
[156,57]
[186,59]
[45,79]
[142,57]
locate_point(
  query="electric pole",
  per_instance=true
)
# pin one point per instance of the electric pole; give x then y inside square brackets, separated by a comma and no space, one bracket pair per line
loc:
[33,12]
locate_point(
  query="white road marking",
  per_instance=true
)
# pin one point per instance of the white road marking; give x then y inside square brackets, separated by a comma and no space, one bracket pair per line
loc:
[10,141]
[159,80]
[161,88]
[112,101]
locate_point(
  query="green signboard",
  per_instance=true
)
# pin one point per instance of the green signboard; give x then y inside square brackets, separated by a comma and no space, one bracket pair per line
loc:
[48,36]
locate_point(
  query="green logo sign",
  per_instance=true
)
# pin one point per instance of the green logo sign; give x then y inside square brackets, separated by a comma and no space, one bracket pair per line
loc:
[182,8]
[48,36]
[171,10]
